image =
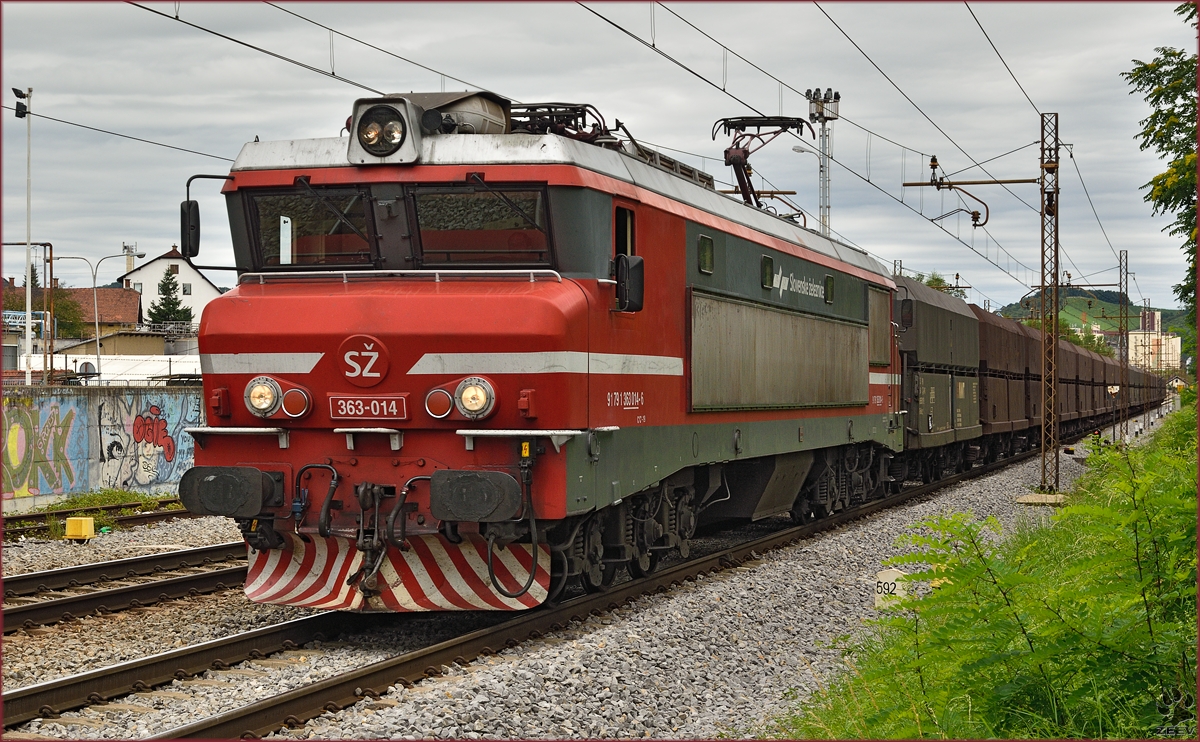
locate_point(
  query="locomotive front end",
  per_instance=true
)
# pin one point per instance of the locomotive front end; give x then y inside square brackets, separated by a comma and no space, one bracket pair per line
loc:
[398,465]
[392,388]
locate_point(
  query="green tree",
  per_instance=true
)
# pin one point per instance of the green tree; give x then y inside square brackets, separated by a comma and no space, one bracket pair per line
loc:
[1068,333]
[33,276]
[68,314]
[1168,83]
[169,308]
[937,281]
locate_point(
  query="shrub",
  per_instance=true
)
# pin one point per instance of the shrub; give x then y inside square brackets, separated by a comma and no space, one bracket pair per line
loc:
[1083,628]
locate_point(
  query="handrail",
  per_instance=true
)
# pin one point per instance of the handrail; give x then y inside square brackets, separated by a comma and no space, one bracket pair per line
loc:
[436,275]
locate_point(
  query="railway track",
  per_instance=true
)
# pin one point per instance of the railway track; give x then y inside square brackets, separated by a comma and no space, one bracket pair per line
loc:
[297,706]
[161,512]
[61,594]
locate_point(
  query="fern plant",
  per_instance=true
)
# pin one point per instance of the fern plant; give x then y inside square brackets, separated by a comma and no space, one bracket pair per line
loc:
[1085,627]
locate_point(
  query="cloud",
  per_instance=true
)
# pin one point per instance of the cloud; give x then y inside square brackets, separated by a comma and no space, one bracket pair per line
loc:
[118,67]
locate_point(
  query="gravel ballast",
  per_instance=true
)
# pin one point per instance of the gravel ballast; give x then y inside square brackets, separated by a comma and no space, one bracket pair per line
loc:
[37,555]
[719,656]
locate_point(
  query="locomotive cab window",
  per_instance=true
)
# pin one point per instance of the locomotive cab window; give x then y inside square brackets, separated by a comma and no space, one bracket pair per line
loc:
[704,254]
[623,229]
[484,226]
[314,227]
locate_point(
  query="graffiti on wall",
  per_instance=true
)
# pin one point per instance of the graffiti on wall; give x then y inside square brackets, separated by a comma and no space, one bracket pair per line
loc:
[86,440]
[44,447]
[142,445]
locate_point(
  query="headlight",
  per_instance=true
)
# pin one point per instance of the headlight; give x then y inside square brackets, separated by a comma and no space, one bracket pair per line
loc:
[262,396]
[474,397]
[381,130]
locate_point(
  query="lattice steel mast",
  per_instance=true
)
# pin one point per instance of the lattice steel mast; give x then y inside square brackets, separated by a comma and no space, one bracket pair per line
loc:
[1123,349]
[1050,204]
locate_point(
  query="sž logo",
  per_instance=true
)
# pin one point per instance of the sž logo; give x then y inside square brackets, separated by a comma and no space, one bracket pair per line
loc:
[364,360]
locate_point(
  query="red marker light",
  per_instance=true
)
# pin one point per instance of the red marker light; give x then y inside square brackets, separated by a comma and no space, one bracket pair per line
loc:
[438,403]
[295,403]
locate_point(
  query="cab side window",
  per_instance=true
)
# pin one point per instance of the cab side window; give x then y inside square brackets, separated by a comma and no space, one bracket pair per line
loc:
[624,228]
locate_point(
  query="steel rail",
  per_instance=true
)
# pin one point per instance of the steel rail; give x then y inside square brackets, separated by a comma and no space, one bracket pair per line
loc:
[118,598]
[301,704]
[152,516]
[55,696]
[32,583]
[293,708]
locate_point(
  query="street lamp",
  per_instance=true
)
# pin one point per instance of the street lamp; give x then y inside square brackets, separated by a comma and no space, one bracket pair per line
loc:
[95,300]
[22,112]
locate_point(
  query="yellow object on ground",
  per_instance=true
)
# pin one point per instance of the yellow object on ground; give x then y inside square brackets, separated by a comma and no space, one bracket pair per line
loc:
[81,528]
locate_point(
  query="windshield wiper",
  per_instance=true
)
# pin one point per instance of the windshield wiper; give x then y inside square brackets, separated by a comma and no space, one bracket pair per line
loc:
[509,202]
[303,180]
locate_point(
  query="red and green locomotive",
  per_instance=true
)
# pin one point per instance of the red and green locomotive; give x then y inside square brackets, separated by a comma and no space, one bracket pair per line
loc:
[479,349]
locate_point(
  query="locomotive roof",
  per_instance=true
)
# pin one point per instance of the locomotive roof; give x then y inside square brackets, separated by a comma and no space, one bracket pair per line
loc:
[509,149]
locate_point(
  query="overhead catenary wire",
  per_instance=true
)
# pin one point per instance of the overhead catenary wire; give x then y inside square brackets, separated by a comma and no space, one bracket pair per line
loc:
[124,136]
[919,109]
[260,49]
[869,132]
[1070,150]
[990,159]
[1071,153]
[688,69]
[369,45]
[727,51]
[1001,56]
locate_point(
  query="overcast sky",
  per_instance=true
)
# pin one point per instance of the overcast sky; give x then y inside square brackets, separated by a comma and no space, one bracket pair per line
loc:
[122,68]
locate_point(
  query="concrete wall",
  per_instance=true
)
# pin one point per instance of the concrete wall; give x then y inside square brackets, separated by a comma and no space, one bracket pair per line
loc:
[61,440]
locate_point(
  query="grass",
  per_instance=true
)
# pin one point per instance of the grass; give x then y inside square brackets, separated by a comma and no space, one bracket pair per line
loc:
[85,504]
[1085,627]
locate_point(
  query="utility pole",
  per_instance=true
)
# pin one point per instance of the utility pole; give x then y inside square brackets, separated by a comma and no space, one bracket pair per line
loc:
[1123,347]
[1048,180]
[22,112]
[1049,306]
[822,110]
[1147,319]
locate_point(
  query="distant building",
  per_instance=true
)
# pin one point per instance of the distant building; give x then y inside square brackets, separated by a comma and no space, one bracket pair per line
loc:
[1155,351]
[119,343]
[120,309]
[195,290]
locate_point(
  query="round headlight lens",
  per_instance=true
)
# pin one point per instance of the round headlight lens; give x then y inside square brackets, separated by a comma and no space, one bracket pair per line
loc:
[393,132]
[262,396]
[381,130]
[370,133]
[474,398]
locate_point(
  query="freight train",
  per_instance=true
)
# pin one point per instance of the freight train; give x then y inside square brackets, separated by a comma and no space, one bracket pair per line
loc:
[480,350]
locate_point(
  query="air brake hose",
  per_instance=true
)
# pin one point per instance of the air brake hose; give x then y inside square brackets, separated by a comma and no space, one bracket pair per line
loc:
[397,509]
[323,521]
[533,537]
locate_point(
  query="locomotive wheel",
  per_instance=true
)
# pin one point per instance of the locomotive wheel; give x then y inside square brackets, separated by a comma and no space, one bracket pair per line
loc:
[802,513]
[643,565]
[596,574]
[928,472]
[820,512]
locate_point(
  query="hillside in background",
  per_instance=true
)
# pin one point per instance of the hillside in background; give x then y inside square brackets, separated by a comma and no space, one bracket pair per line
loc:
[1104,310]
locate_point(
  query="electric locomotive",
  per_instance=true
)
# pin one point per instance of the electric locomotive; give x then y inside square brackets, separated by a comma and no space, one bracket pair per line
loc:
[477,350]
